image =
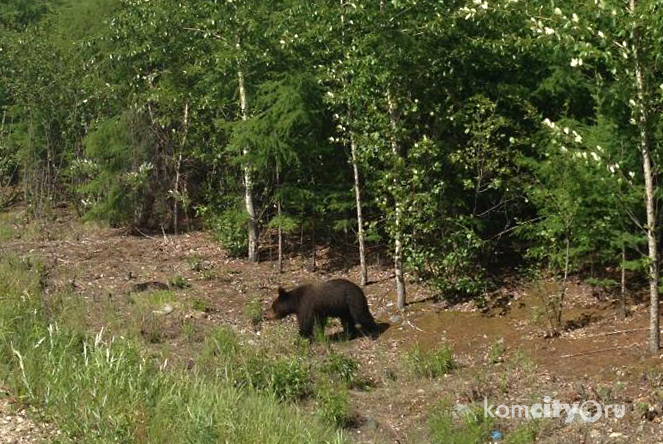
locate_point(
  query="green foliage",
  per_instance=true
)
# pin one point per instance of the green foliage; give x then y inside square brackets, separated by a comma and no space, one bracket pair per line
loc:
[430,364]
[342,369]
[285,223]
[525,434]
[253,310]
[482,135]
[334,404]
[497,351]
[229,228]
[179,281]
[6,229]
[119,171]
[286,378]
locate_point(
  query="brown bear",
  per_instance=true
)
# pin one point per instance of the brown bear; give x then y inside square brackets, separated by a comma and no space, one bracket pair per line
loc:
[314,303]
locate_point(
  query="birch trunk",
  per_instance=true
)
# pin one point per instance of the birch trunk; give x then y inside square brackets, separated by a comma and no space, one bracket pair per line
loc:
[248,180]
[360,219]
[645,151]
[398,242]
[278,212]
[178,168]
[357,186]
[622,293]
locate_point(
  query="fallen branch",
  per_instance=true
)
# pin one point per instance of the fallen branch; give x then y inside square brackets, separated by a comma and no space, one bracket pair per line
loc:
[573,355]
[618,332]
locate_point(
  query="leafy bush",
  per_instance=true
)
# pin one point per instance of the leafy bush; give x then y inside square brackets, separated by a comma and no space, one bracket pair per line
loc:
[116,183]
[229,228]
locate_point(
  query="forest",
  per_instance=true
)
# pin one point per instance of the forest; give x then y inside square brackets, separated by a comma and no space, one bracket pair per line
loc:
[461,137]
[462,142]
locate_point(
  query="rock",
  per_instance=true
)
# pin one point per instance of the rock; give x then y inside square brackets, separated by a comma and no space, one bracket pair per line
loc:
[165,310]
[396,319]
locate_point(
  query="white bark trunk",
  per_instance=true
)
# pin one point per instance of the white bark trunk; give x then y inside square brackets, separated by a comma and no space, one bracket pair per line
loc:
[178,168]
[248,180]
[360,219]
[622,294]
[398,243]
[357,185]
[643,123]
[278,212]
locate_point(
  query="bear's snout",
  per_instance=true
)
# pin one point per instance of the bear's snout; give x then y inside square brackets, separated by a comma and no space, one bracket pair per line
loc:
[270,314]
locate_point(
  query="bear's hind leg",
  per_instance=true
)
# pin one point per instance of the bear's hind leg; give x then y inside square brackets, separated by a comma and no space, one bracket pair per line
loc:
[349,327]
[361,315]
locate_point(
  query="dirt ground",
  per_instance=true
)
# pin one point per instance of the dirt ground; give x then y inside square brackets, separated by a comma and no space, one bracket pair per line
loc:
[504,349]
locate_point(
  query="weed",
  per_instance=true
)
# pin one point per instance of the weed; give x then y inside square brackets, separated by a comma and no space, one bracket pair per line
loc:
[6,229]
[284,378]
[430,364]
[504,382]
[179,281]
[209,275]
[334,404]
[151,328]
[253,310]
[199,304]
[342,369]
[497,351]
[522,360]
[196,263]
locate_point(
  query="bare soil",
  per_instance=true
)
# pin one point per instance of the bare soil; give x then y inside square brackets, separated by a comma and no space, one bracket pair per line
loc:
[504,350]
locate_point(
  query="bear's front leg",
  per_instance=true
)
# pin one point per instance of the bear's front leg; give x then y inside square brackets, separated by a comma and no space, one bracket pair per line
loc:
[306,324]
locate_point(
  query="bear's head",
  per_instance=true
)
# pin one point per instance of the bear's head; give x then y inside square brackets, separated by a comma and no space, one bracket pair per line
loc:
[282,306]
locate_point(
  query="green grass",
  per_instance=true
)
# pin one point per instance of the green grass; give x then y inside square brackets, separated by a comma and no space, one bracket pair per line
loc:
[470,425]
[6,229]
[464,426]
[430,364]
[253,310]
[334,404]
[102,389]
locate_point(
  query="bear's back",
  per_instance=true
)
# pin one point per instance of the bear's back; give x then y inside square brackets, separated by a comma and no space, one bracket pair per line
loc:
[330,297]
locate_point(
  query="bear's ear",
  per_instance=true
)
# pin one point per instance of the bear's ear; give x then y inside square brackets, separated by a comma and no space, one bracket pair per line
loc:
[282,293]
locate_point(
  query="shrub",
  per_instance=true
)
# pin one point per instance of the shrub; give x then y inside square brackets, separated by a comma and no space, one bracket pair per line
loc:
[229,228]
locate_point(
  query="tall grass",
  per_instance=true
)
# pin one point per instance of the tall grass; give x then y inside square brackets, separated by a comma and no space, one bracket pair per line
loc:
[101,389]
